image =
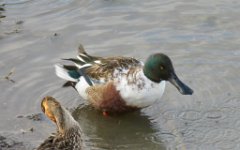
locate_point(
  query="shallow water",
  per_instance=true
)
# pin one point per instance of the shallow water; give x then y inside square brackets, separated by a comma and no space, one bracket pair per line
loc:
[201,37]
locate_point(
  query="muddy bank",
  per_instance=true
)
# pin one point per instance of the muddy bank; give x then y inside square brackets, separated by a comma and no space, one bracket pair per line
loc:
[11,144]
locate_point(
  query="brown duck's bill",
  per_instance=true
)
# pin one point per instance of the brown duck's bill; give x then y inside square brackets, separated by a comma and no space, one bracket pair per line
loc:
[182,88]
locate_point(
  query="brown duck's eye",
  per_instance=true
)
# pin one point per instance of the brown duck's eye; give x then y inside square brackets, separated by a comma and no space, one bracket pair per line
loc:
[161,68]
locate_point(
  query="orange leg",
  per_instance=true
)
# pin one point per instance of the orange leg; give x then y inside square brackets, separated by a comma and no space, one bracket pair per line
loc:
[105,113]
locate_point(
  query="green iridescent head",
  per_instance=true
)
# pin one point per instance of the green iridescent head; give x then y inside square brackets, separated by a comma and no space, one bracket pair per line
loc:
[159,67]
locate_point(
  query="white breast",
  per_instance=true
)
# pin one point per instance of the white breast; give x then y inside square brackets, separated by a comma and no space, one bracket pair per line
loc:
[141,94]
[81,87]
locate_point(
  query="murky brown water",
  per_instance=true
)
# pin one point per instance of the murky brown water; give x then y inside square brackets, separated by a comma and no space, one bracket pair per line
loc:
[201,37]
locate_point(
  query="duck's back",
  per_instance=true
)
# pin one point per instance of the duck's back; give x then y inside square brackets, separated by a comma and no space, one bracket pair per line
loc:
[106,67]
[71,141]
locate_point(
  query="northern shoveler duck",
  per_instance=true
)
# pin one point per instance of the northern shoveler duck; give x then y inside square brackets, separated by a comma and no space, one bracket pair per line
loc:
[68,136]
[119,84]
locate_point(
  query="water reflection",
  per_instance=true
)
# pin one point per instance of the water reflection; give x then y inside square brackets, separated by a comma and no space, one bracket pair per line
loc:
[128,131]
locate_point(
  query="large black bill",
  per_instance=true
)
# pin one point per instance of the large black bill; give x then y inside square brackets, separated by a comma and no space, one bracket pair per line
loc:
[182,88]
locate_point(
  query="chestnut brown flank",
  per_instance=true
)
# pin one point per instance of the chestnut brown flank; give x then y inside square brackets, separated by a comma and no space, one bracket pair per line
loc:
[105,97]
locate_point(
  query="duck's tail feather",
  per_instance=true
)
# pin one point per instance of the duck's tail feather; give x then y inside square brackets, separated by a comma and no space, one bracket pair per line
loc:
[71,74]
[69,83]
[85,57]
[76,61]
[66,73]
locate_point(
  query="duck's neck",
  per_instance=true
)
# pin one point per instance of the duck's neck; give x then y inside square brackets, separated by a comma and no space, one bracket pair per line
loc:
[66,122]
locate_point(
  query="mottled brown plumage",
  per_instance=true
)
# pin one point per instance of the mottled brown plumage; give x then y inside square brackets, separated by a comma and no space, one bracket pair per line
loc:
[108,65]
[102,67]
[68,136]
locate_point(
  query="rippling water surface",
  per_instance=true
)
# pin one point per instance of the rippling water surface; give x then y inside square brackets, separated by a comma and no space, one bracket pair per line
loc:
[201,37]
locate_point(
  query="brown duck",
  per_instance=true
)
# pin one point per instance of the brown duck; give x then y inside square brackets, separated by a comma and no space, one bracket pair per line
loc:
[68,136]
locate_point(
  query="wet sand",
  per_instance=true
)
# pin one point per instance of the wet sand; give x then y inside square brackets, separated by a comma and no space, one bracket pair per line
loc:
[201,37]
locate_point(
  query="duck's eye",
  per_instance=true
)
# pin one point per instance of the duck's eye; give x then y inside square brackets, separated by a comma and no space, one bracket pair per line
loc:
[161,68]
